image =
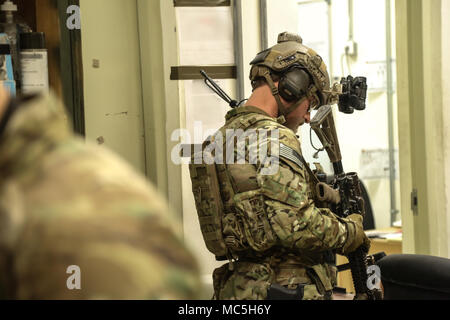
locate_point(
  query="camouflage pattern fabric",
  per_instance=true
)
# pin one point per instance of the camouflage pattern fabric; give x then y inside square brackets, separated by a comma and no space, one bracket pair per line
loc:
[272,226]
[64,203]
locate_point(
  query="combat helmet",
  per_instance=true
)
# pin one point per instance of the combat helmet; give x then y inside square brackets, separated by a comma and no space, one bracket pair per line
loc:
[301,72]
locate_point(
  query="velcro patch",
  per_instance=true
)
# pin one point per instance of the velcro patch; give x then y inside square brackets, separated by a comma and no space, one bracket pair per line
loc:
[291,155]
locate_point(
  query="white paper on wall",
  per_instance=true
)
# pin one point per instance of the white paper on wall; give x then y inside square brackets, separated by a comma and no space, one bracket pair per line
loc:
[205,35]
[375,164]
[376,74]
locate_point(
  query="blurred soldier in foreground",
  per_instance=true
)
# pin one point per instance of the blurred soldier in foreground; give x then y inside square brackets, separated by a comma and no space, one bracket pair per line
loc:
[278,243]
[65,203]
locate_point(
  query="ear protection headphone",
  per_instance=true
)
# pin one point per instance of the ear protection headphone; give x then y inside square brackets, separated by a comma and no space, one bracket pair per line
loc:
[294,84]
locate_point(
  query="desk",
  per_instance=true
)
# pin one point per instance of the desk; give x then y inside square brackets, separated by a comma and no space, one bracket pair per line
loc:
[390,245]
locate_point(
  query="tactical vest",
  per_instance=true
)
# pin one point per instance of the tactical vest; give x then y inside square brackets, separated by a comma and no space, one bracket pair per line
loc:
[229,202]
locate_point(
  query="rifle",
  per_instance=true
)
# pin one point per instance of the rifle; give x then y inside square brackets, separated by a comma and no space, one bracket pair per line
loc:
[343,194]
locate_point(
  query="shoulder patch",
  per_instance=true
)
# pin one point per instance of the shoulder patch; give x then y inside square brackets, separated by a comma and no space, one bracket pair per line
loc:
[291,155]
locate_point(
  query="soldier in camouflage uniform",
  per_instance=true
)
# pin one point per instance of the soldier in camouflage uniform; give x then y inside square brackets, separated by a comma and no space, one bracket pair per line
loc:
[268,225]
[65,203]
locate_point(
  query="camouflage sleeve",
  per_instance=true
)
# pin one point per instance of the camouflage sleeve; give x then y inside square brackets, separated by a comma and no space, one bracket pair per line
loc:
[77,222]
[124,251]
[294,218]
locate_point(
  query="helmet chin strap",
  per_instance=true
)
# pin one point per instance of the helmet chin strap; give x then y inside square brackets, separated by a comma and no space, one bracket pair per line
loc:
[282,110]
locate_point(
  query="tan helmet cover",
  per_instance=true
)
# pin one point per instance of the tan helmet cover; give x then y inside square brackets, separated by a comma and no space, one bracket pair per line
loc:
[288,52]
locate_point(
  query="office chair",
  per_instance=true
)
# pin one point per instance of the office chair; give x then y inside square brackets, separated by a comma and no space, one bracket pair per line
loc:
[415,277]
[369,221]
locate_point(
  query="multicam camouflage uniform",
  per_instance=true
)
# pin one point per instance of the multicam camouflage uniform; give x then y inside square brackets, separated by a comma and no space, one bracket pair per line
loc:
[274,234]
[65,203]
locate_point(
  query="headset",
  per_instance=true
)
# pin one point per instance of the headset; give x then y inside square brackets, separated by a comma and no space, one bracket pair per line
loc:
[294,84]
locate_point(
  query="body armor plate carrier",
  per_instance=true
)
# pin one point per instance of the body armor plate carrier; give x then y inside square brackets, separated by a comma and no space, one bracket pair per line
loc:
[205,187]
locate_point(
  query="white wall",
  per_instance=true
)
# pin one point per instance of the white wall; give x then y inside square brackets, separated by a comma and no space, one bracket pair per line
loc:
[366,130]
[281,16]
[113,92]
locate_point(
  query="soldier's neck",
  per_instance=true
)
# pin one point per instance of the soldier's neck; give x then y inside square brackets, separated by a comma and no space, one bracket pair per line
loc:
[263,99]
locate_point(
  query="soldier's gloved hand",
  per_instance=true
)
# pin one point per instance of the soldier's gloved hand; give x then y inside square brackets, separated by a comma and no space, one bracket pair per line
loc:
[356,236]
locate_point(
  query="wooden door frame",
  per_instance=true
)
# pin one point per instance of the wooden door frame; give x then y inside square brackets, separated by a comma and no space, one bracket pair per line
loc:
[71,67]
